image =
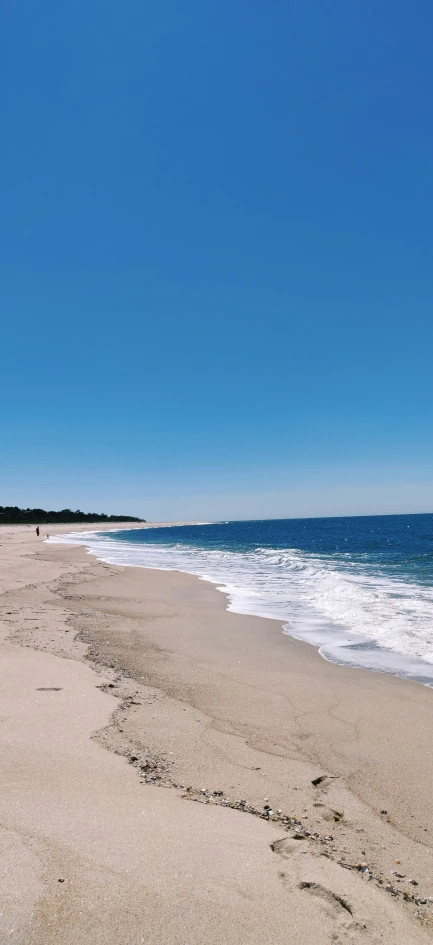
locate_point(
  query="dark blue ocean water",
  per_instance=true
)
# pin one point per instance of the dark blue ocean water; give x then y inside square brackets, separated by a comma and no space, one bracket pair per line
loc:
[398,545]
[360,588]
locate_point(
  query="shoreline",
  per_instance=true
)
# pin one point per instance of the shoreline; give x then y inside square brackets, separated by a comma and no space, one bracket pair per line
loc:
[202,698]
[338,646]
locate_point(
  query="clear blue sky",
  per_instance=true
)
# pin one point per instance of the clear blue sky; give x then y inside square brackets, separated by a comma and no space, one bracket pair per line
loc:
[216,257]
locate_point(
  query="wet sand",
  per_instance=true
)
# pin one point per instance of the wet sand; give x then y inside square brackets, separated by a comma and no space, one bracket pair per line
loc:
[158,755]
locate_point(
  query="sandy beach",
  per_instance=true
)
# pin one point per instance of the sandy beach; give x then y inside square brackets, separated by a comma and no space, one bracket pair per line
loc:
[159,756]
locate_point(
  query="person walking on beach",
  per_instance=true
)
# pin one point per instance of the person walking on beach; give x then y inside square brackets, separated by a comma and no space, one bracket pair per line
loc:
[37,530]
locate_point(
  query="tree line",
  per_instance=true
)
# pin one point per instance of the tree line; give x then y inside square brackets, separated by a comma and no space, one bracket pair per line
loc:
[12,515]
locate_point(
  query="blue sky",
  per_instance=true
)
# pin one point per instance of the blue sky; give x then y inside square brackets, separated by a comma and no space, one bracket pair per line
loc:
[216,258]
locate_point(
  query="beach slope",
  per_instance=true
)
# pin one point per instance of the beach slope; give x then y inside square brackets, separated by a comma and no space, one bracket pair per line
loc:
[158,755]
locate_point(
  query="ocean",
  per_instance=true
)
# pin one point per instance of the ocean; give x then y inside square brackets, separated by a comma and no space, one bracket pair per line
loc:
[360,589]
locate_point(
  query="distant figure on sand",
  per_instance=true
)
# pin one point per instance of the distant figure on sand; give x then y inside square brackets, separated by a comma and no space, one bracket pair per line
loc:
[37,530]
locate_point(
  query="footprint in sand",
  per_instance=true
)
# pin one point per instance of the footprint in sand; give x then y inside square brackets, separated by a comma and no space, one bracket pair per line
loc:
[336,902]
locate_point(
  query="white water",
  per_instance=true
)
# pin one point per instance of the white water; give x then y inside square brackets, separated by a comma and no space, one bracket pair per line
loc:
[351,615]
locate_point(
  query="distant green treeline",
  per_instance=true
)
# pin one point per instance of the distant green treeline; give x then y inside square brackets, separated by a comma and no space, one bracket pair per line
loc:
[12,515]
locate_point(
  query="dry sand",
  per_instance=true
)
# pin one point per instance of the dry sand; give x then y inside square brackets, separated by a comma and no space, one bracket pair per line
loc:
[101,666]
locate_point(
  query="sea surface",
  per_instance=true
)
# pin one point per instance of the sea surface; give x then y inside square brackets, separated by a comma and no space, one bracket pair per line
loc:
[360,589]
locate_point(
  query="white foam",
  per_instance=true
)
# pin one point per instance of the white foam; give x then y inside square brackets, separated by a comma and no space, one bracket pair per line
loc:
[352,615]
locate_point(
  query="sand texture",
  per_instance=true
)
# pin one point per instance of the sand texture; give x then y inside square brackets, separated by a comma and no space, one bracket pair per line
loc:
[158,756]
